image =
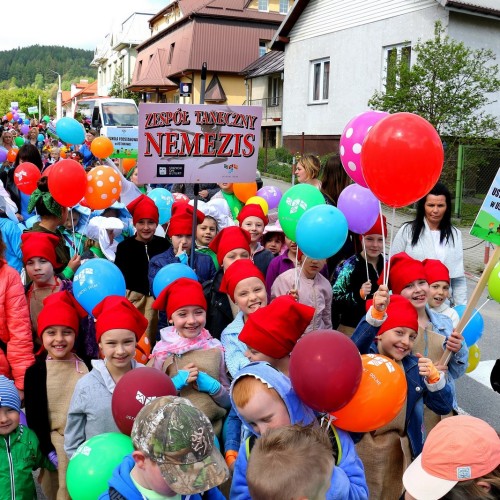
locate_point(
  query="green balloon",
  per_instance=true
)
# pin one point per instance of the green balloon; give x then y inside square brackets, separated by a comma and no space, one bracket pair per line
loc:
[494,283]
[294,203]
[46,118]
[93,464]
[19,141]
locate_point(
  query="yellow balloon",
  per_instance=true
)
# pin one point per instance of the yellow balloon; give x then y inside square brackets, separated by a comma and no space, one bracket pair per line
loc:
[258,200]
[474,358]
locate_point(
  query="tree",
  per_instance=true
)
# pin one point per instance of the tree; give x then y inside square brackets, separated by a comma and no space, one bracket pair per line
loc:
[449,85]
[118,88]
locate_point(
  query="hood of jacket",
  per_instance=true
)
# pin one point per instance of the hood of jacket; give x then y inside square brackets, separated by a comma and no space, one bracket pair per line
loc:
[101,373]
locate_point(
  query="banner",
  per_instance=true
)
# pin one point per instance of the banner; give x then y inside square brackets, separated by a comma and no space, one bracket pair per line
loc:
[124,140]
[193,143]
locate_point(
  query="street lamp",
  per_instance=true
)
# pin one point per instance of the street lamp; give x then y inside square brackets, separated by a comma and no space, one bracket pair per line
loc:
[59,95]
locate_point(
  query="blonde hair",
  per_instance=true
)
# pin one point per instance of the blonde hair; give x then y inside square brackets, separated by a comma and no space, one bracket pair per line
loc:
[464,490]
[311,165]
[245,388]
[280,463]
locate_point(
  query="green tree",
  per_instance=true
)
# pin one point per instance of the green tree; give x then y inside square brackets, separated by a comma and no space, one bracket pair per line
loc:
[449,85]
[118,89]
[39,82]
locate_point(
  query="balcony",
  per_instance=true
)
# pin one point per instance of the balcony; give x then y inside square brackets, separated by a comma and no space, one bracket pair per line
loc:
[272,108]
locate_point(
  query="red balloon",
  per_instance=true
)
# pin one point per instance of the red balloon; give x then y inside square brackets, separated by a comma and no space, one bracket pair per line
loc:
[26,176]
[135,389]
[12,154]
[402,159]
[67,182]
[46,172]
[325,370]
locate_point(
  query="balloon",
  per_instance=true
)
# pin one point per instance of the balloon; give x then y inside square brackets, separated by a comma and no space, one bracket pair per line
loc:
[19,141]
[351,142]
[379,398]
[46,172]
[325,370]
[70,131]
[134,390]
[40,138]
[67,182]
[128,164]
[169,274]
[180,197]
[474,358]
[20,121]
[25,129]
[360,208]
[321,231]
[95,280]
[93,464]
[46,119]
[271,194]
[11,155]
[494,283]
[244,190]
[475,326]
[26,176]
[257,200]
[101,147]
[402,159]
[9,116]
[3,154]
[103,188]
[26,121]
[163,200]
[294,203]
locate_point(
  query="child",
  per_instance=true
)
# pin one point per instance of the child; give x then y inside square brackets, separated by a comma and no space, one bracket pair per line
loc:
[271,333]
[273,239]
[280,464]
[73,229]
[438,278]
[205,233]
[50,382]
[357,279]
[460,459]
[188,353]
[313,290]
[174,456]
[226,192]
[19,449]
[404,435]
[253,219]
[264,399]
[101,238]
[119,325]
[244,284]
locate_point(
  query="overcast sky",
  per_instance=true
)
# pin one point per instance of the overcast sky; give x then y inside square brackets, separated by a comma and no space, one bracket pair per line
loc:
[69,23]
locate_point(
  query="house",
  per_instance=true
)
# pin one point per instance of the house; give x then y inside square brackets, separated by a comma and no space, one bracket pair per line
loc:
[227,35]
[336,54]
[78,91]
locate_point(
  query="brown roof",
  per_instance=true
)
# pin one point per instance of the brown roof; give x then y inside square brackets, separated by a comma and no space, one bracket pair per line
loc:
[489,7]
[151,75]
[271,62]
[215,92]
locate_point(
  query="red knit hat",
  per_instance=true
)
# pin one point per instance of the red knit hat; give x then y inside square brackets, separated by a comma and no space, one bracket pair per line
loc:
[180,293]
[252,210]
[181,221]
[118,312]
[404,269]
[378,227]
[60,309]
[435,270]
[38,244]
[143,207]
[274,330]
[400,312]
[229,239]
[239,270]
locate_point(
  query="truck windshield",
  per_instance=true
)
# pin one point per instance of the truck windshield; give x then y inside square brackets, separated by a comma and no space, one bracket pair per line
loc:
[120,114]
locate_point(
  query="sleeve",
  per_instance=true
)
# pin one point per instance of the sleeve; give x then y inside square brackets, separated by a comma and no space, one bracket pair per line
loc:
[232,437]
[459,290]
[40,459]
[234,353]
[213,494]
[280,286]
[221,397]
[343,295]
[211,269]
[327,312]
[155,264]
[439,398]
[12,239]
[348,478]
[239,486]
[364,335]
[271,275]
[401,240]
[6,196]
[458,362]
[74,433]
[20,344]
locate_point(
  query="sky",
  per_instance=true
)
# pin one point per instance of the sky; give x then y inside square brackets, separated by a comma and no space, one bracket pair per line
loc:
[72,24]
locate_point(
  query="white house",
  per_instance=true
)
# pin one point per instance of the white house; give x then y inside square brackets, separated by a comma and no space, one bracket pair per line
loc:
[336,54]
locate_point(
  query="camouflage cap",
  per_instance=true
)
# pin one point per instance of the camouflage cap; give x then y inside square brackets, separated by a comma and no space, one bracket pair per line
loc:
[180,439]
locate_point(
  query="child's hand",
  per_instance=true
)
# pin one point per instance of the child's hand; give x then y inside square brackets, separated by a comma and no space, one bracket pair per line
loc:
[294,293]
[208,384]
[193,372]
[427,369]
[74,262]
[454,342]
[365,290]
[381,298]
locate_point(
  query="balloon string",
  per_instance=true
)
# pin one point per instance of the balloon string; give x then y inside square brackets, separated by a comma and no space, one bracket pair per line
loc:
[73,228]
[298,274]
[366,257]
[295,279]
[393,219]
[383,243]
[476,311]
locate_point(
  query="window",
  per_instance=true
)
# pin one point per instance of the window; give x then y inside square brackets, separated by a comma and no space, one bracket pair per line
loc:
[283,6]
[171,53]
[320,80]
[397,59]
[264,5]
[274,91]
[262,48]
[139,70]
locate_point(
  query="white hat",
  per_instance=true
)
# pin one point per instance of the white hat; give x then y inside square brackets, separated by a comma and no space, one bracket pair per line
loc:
[97,230]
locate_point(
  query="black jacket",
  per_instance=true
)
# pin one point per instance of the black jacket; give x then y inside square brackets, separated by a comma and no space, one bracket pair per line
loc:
[219,313]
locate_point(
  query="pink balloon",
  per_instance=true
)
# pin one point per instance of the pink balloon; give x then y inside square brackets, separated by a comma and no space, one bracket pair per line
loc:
[351,141]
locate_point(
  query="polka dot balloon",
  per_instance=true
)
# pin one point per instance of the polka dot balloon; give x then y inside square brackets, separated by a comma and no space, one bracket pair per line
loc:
[104,187]
[351,142]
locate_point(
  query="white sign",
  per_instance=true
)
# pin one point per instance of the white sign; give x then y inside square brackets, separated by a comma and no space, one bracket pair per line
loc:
[125,140]
[33,110]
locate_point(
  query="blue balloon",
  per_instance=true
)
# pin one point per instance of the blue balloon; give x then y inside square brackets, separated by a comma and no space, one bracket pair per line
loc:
[70,130]
[41,137]
[95,280]
[163,200]
[475,327]
[321,231]
[169,274]
[20,121]
[26,121]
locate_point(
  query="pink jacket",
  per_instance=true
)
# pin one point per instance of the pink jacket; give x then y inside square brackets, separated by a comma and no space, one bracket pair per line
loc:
[15,326]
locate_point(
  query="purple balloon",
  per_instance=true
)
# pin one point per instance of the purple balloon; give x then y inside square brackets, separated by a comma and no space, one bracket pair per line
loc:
[25,129]
[271,194]
[15,117]
[360,207]
[3,155]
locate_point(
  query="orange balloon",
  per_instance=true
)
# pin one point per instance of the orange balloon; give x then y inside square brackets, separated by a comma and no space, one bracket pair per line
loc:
[62,153]
[379,398]
[9,116]
[128,164]
[245,190]
[104,187]
[11,155]
[142,350]
[101,147]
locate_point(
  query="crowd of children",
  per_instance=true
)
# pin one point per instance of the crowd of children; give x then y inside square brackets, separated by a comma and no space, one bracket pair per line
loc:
[225,341]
